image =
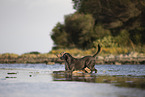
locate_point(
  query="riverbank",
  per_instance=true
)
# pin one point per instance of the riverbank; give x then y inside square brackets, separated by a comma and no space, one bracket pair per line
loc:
[132,58]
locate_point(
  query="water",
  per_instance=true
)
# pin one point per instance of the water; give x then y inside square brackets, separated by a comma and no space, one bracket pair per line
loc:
[40,80]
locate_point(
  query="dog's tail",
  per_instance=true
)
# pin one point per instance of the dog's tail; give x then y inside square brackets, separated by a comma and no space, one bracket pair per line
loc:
[99,49]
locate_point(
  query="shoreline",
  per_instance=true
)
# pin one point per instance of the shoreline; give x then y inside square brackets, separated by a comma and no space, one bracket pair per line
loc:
[99,60]
[121,59]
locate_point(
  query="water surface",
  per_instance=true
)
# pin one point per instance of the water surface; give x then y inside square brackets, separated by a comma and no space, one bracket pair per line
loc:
[35,80]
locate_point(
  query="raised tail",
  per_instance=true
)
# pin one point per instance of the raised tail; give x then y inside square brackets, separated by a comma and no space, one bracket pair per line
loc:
[99,49]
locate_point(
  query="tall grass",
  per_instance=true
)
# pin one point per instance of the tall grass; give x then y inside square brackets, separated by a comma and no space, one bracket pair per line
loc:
[77,52]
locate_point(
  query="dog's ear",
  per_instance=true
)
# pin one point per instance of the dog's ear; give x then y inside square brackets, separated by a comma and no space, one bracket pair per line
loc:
[65,56]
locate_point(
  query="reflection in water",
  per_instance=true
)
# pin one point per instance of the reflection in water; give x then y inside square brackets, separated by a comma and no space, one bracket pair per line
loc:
[117,80]
[68,76]
[11,75]
[19,80]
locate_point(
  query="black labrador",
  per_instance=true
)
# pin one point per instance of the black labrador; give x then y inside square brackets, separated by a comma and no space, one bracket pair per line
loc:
[72,64]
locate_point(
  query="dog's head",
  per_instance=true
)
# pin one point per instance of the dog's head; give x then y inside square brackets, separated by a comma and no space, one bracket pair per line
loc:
[60,55]
[64,56]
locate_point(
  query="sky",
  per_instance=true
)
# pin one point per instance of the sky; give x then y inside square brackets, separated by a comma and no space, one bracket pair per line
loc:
[26,25]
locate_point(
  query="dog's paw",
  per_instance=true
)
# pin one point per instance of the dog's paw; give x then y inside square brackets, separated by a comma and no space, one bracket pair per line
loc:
[78,71]
[87,70]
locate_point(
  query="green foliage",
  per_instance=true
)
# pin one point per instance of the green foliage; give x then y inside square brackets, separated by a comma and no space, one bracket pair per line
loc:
[112,23]
[117,15]
[59,36]
[123,38]
[112,13]
[34,52]
[101,32]
[77,31]
[80,29]
[107,41]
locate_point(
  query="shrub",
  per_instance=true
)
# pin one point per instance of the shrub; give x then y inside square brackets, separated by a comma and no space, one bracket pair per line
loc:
[107,41]
[9,55]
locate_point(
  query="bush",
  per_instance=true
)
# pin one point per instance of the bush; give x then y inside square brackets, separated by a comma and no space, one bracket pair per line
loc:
[107,41]
[34,52]
[115,50]
[9,55]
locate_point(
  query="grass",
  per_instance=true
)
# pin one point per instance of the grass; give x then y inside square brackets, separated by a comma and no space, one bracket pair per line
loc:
[77,52]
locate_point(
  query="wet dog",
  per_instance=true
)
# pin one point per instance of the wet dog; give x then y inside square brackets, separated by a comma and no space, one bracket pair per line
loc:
[86,63]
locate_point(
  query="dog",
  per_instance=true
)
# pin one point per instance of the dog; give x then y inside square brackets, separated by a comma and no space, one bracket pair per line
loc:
[86,63]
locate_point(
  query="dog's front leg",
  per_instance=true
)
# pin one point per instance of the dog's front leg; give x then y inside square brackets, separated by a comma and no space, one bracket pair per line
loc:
[93,69]
[67,67]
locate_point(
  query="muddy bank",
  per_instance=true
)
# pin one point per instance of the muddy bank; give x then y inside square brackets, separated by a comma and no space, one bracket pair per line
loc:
[117,60]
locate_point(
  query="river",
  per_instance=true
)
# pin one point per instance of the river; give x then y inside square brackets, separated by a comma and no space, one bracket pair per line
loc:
[40,80]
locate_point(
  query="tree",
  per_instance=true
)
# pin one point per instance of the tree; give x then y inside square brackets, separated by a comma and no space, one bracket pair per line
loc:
[59,36]
[77,31]
[95,20]
[80,30]
[111,13]
[117,15]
